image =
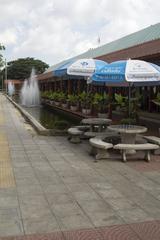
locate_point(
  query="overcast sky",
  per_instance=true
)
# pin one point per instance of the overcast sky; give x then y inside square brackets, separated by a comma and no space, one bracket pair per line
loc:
[53,30]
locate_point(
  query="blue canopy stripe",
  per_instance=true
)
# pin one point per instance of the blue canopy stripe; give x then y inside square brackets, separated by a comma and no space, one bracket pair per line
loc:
[62,70]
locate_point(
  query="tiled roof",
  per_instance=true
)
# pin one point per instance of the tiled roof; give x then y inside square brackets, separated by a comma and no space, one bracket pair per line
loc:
[145,35]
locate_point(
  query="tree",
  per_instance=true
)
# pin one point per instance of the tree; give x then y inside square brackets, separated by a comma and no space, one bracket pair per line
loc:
[21,68]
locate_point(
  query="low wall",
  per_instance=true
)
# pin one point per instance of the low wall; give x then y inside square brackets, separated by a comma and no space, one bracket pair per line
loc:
[37,126]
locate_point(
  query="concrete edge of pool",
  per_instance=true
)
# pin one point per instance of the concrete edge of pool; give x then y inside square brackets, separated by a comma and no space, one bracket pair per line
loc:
[36,125]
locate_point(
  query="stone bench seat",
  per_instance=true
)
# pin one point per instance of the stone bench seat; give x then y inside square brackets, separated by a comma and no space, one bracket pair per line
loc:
[74,134]
[90,134]
[152,139]
[83,127]
[147,147]
[100,148]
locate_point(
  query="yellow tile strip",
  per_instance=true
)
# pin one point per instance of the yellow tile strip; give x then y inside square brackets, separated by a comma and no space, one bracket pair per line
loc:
[6,177]
[1,120]
[6,171]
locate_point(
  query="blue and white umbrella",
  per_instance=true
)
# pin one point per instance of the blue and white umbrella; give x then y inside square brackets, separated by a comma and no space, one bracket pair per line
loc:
[85,67]
[128,72]
[62,69]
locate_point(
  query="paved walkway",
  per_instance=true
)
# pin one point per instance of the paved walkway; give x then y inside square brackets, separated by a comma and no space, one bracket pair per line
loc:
[52,189]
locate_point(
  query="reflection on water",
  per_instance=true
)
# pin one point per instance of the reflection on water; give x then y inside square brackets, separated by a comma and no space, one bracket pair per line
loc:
[49,118]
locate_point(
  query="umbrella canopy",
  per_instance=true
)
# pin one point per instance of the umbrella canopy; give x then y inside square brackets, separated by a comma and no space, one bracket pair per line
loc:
[85,67]
[129,72]
[62,70]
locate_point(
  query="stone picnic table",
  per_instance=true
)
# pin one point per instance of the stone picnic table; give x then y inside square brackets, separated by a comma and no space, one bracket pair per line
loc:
[97,123]
[128,132]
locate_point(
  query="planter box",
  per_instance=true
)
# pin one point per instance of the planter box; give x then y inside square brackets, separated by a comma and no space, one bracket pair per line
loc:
[57,103]
[64,105]
[86,111]
[103,115]
[74,108]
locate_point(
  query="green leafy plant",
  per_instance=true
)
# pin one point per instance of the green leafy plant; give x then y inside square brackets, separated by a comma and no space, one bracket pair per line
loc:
[130,109]
[62,97]
[101,102]
[120,100]
[73,99]
[55,96]
[85,99]
[46,94]
[157,99]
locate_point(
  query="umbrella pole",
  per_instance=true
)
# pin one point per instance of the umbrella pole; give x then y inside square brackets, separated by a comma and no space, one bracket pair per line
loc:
[129,102]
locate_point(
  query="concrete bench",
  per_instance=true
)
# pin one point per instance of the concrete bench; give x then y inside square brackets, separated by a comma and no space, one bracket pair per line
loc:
[154,140]
[147,147]
[100,148]
[74,135]
[90,134]
[83,127]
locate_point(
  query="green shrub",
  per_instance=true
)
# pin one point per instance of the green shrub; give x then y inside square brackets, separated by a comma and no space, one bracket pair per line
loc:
[73,99]
[158,97]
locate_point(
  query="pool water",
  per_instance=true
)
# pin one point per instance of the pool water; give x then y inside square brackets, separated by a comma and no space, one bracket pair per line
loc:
[49,118]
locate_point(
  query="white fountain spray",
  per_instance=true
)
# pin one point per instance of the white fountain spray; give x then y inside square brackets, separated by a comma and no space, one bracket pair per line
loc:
[11,89]
[30,95]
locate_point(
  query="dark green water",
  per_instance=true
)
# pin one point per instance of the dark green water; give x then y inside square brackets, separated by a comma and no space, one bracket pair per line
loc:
[51,119]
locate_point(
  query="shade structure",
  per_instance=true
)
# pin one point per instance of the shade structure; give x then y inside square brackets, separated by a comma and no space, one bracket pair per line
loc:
[128,72]
[85,67]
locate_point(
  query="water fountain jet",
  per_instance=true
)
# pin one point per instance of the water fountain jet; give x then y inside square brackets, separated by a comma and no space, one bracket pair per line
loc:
[30,94]
[11,89]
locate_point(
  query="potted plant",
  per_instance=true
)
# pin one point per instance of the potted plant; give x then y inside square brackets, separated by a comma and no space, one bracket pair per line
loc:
[86,101]
[157,99]
[51,98]
[120,102]
[129,109]
[63,99]
[101,104]
[73,101]
[55,97]
[45,96]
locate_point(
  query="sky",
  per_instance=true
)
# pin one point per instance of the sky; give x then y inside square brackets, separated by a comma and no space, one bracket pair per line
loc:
[54,30]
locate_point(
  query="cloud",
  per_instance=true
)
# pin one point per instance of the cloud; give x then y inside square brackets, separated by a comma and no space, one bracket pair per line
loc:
[8,37]
[53,30]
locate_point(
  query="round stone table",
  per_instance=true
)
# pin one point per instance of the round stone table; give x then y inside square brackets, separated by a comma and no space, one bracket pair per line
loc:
[100,123]
[128,133]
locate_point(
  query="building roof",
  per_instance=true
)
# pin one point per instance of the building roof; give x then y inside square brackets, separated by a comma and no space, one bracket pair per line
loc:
[145,35]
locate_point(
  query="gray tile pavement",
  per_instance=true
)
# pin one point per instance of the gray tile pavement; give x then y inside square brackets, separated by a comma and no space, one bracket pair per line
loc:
[59,186]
